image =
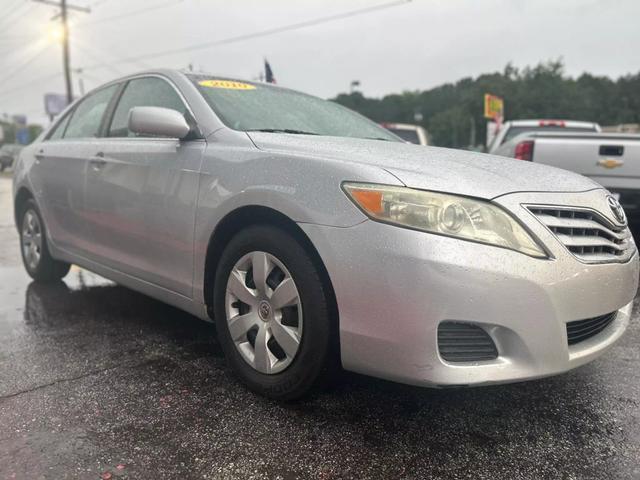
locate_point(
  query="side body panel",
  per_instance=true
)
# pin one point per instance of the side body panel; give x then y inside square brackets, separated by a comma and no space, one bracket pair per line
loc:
[58,179]
[141,209]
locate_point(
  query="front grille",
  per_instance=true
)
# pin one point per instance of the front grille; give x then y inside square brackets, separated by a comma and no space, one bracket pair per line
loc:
[589,236]
[465,342]
[581,330]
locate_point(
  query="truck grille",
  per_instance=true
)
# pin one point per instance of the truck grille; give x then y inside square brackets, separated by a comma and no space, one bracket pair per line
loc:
[581,330]
[465,342]
[589,236]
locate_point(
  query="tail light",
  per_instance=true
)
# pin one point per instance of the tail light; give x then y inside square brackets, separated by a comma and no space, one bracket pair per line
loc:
[524,150]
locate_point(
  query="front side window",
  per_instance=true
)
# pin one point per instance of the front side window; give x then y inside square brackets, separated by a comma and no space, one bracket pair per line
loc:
[143,92]
[248,106]
[87,117]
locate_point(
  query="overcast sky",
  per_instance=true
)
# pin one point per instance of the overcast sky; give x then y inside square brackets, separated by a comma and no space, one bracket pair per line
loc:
[414,45]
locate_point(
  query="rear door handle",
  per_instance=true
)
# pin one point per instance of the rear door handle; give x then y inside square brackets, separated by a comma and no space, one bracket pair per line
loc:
[39,156]
[98,161]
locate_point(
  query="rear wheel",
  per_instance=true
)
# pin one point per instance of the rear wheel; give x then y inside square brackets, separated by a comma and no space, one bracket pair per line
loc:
[33,245]
[272,314]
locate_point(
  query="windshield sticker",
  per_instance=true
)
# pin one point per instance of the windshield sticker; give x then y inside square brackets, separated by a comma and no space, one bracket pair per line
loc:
[227,84]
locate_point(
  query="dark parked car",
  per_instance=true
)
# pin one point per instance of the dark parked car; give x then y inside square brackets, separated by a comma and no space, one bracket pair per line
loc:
[8,153]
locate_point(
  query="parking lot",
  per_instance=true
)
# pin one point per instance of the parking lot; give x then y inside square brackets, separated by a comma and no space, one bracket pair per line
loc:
[97,381]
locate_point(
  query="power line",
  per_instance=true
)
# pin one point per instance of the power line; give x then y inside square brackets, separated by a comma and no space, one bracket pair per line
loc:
[26,85]
[23,65]
[13,16]
[225,41]
[129,14]
[94,56]
[262,33]
[11,8]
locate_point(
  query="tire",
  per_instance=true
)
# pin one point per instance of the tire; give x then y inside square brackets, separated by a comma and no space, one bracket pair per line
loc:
[33,247]
[283,375]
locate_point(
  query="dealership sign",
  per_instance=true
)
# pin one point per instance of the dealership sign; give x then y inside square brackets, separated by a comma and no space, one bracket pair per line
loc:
[54,103]
[493,107]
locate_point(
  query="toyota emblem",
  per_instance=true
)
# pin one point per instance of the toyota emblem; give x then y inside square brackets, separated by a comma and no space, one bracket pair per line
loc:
[616,209]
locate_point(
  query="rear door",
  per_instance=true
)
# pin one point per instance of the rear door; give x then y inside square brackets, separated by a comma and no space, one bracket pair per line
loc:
[141,193]
[60,171]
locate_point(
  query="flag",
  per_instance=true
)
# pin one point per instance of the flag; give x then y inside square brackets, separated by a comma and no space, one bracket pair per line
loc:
[268,73]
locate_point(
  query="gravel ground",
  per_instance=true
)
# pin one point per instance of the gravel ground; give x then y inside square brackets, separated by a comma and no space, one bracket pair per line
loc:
[97,381]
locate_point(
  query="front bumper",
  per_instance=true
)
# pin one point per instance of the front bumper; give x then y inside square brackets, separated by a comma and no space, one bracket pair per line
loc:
[395,286]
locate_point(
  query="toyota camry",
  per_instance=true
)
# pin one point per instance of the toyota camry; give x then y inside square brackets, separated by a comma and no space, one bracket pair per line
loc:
[315,239]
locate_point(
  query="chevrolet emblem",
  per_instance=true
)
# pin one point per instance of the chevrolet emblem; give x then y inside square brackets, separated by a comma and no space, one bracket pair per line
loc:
[610,162]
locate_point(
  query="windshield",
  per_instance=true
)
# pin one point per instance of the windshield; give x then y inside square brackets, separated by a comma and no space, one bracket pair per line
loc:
[515,131]
[248,106]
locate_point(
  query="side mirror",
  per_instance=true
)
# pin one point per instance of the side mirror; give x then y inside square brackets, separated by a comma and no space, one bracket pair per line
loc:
[158,122]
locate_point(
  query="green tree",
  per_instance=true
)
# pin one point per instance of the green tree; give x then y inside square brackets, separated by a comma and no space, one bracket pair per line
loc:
[451,111]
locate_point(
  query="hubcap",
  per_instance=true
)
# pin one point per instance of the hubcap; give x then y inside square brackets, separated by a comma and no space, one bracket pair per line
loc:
[264,310]
[264,313]
[31,239]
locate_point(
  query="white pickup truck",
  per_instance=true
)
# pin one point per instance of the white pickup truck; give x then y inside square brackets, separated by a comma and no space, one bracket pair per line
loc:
[611,159]
[513,128]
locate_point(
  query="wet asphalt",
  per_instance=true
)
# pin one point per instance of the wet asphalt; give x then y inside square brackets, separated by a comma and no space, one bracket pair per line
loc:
[97,381]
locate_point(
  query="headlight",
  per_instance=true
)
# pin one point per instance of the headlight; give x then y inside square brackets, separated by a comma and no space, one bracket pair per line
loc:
[451,215]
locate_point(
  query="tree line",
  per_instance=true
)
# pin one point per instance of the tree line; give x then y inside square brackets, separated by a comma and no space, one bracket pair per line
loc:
[453,113]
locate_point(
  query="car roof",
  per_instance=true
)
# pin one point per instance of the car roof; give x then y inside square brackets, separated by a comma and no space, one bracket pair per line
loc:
[550,121]
[401,126]
[556,134]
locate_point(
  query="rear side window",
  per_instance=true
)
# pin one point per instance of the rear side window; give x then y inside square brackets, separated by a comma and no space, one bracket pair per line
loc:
[143,92]
[87,117]
[410,136]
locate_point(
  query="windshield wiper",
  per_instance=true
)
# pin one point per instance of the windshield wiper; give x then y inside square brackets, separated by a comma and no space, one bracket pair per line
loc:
[377,138]
[282,130]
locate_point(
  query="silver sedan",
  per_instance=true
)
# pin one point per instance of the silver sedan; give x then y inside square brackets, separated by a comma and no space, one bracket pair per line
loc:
[317,239]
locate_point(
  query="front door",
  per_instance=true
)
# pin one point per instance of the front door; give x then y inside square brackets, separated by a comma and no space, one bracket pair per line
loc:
[141,194]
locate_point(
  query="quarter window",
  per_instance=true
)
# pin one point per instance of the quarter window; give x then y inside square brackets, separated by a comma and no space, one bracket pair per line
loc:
[58,132]
[87,117]
[143,92]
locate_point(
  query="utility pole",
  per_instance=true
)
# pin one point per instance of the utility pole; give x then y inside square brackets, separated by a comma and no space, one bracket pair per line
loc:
[66,64]
[64,20]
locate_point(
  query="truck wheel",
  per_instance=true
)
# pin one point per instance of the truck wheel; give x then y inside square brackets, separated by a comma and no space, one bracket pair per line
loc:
[272,315]
[33,245]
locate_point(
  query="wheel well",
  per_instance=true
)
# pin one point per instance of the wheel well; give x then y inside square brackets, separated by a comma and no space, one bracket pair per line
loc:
[21,198]
[243,217]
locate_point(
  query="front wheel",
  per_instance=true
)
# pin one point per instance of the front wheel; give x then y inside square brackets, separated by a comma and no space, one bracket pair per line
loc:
[272,314]
[33,245]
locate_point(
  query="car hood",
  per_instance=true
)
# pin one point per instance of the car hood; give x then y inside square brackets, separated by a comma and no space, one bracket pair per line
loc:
[432,168]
